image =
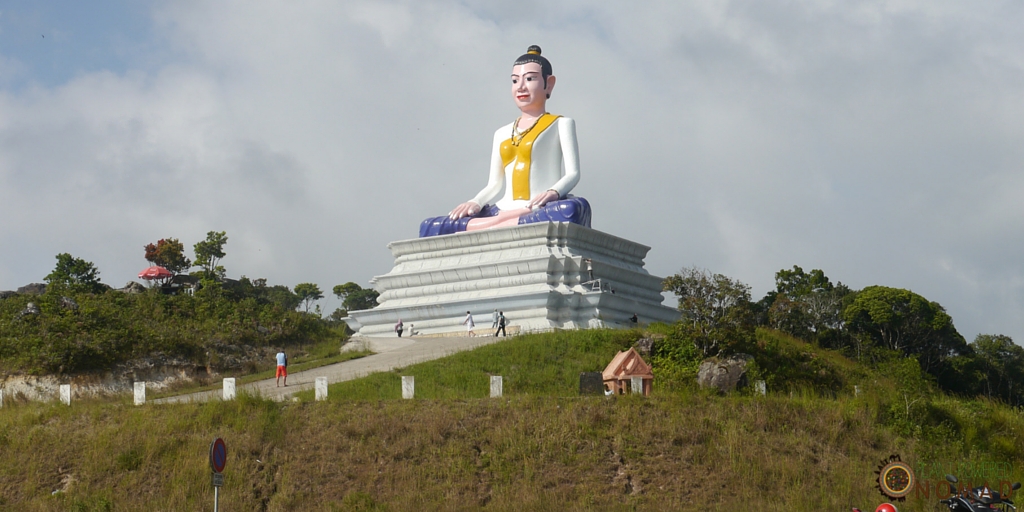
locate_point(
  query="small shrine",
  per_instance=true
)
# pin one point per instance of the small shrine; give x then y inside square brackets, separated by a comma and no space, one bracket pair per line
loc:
[620,372]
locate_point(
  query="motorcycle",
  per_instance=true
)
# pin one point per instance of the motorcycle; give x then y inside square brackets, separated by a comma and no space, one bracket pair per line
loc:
[884,507]
[976,499]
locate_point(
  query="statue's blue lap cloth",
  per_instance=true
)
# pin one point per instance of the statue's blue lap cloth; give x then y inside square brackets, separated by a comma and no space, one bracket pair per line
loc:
[571,209]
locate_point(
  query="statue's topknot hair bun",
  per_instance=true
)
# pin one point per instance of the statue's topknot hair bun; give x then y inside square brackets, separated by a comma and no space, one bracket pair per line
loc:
[533,55]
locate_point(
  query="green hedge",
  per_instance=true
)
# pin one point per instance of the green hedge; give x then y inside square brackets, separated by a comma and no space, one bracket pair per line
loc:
[113,327]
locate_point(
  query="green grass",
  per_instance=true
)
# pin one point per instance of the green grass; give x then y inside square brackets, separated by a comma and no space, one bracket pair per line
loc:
[549,364]
[540,447]
[533,364]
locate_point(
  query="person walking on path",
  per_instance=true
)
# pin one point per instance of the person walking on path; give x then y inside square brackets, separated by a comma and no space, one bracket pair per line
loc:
[501,325]
[399,327]
[282,368]
[468,322]
[494,320]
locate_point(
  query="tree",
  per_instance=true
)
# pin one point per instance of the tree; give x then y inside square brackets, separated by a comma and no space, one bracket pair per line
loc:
[1001,365]
[807,305]
[906,322]
[788,315]
[209,252]
[354,297]
[75,274]
[309,293]
[280,295]
[716,309]
[337,315]
[168,253]
[797,283]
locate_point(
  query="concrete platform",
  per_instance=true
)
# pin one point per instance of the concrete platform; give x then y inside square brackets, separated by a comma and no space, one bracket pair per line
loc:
[535,273]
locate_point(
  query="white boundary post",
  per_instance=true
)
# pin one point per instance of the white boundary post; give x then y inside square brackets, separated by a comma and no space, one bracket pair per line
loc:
[321,389]
[760,388]
[229,388]
[1,398]
[65,394]
[408,387]
[140,393]
[496,386]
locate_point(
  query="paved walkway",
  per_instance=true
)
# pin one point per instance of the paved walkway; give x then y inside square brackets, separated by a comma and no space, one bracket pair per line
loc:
[390,353]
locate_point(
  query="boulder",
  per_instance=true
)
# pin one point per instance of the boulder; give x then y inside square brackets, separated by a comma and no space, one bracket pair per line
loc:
[726,374]
[68,303]
[133,287]
[33,289]
[30,309]
[644,345]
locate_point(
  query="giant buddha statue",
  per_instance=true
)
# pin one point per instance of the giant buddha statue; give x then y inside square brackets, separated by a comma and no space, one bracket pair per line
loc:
[534,163]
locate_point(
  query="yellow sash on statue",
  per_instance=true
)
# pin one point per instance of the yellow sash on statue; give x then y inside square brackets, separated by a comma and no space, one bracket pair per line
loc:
[520,151]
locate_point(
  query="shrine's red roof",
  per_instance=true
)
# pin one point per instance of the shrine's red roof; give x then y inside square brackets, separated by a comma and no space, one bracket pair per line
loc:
[625,365]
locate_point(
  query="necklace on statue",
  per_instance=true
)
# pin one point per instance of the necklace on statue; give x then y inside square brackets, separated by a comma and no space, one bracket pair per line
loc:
[517,136]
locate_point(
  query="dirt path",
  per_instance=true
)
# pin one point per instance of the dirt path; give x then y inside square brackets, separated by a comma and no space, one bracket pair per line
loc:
[390,353]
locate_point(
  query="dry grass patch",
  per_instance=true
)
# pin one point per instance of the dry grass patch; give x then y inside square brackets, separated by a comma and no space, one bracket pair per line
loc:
[521,453]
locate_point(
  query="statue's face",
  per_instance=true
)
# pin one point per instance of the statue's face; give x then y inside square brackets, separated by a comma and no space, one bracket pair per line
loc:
[528,86]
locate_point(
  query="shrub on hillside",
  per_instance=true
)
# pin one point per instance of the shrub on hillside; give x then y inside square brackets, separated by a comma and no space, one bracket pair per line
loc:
[787,363]
[114,327]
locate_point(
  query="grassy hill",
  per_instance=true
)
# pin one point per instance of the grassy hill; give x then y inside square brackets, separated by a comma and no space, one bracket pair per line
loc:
[811,444]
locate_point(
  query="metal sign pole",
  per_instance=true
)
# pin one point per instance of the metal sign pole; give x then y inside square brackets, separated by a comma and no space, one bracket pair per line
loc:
[218,459]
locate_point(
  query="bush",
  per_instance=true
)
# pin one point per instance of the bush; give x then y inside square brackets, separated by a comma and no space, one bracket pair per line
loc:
[113,327]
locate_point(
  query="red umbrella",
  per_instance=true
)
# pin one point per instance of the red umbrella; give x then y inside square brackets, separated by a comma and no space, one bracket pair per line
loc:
[155,272]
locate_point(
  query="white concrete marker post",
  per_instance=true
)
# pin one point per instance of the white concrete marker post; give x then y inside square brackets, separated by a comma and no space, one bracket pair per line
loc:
[760,388]
[408,387]
[140,393]
[856,390]
[1,398]
[229,388]
[636,385]
[496,386]
[65,394]
[321,389]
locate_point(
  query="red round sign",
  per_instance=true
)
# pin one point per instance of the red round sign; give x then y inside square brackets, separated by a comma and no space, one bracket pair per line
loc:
[218,455]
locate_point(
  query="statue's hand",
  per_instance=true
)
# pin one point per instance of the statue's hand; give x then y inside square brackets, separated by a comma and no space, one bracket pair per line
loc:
[469,208]
[542,199]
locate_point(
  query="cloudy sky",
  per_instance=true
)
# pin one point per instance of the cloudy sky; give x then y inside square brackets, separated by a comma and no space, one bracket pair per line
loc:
[879,141]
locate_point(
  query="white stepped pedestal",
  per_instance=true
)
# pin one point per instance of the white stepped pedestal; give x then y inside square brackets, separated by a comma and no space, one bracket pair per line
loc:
[535,273]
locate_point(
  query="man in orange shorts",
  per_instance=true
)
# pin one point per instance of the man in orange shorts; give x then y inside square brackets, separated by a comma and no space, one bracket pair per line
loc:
[282,368]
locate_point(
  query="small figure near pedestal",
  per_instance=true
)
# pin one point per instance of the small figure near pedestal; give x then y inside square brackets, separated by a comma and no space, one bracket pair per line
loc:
[468,322]
[501,325]
[535,160]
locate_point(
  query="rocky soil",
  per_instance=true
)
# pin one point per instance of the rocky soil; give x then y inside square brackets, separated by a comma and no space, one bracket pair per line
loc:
[160,372]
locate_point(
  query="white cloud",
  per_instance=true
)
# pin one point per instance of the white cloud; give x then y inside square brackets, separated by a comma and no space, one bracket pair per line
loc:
[878,141]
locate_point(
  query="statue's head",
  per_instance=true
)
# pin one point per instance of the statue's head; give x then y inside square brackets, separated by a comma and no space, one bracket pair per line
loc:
[532,81]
